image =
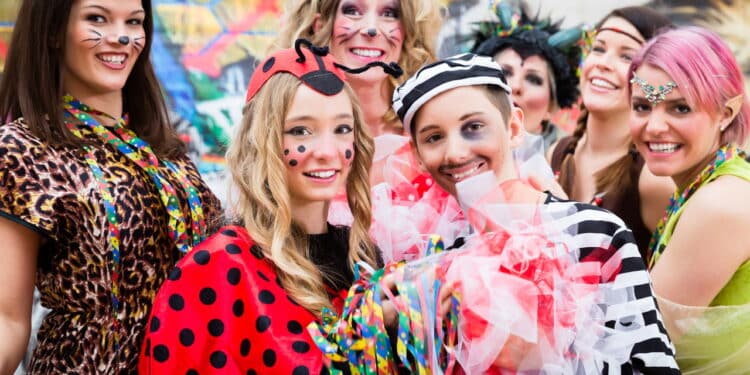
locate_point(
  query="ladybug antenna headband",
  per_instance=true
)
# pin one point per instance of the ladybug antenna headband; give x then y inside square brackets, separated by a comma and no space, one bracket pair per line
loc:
[313,66]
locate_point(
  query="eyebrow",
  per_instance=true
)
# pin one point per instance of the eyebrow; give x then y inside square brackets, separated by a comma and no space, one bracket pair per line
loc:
[340,116]
[462,118]
[103,9]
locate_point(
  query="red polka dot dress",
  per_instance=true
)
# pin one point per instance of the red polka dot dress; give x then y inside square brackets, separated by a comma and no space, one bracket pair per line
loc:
[223,310]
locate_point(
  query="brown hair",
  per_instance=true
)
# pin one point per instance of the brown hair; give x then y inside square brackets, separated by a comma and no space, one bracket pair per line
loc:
[31,86]
[421,21]
[616,176]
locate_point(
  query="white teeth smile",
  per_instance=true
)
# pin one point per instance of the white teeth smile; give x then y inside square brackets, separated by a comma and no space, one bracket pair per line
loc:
[367,52]
[114,59]
[321,174]
[663,147]
[602,83]
[462,175]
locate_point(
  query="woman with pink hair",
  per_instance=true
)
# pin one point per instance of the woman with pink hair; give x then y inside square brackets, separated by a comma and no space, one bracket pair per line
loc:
[689,114]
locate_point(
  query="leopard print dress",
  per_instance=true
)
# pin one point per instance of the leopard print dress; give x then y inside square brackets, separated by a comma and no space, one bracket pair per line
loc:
[53,191]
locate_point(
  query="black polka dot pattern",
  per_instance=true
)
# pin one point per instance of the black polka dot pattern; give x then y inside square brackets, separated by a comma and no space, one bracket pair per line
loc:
[229,232]
[192,372]
[263,276]
[245,347]
[300,347]
[233,249]
[251,372]
[268,64]
[215,327]
[262,323]
[187,337]
[301,370]
[294,327]
[202,257]
[238,308]
[175,274]
[155,324]
[266,297]
[207,296]
[269,357]
[218,359]
[234,275]
[256,251]
[176,302]
[161,353]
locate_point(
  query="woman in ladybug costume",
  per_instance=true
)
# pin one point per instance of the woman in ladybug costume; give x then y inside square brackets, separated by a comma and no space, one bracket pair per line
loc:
[241,301]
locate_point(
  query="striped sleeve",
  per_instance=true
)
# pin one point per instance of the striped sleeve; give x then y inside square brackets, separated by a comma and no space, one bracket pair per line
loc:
[631,314]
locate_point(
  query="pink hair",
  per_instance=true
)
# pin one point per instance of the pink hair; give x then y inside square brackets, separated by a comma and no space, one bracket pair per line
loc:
[705,71]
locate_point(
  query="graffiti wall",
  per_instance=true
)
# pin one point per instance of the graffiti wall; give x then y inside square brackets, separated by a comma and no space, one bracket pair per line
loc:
[205,51]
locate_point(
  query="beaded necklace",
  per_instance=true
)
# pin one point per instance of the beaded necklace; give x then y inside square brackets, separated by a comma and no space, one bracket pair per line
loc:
[138,151]
[658,243]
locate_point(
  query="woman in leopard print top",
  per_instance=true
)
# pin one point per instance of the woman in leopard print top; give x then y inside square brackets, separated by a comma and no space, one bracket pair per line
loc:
[97,197]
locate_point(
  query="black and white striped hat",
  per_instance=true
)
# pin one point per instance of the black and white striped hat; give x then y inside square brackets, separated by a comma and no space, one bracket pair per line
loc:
[430,80]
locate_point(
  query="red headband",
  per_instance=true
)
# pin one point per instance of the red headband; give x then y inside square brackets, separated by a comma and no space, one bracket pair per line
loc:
[313,66]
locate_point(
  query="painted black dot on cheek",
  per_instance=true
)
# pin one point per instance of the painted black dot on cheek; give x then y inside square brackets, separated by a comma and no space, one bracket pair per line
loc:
[286,152]
[348,154]
[293,162]
[301,148]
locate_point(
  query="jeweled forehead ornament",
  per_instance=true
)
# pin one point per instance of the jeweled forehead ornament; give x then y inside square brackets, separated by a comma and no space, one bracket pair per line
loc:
[653,94]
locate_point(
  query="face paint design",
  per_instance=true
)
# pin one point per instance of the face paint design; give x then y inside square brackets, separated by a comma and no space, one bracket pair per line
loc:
[366,31]
[653,94]
[318,133]
[348,154]
[96,61]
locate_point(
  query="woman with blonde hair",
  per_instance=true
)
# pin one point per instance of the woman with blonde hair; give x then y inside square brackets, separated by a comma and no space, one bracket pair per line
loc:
[240,303]
[359,32]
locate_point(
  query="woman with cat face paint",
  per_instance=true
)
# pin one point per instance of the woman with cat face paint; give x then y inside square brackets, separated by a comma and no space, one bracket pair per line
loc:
[99,199]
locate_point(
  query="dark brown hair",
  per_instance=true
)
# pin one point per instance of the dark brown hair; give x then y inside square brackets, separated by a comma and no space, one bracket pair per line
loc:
[616,176]
[31,86]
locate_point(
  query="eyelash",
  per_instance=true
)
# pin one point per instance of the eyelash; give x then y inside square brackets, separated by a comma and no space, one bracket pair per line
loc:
[298,131]
[96,18]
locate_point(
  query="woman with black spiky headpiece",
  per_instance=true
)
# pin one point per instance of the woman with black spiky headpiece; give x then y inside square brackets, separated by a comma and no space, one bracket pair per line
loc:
[540,62]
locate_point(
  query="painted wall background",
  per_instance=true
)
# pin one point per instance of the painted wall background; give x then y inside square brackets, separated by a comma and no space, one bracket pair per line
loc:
[205,51]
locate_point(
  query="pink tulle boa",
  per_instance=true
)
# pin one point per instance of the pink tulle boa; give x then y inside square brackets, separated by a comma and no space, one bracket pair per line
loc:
[407,205]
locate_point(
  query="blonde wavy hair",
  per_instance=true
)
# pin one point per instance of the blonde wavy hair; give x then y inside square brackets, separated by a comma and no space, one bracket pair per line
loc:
[262,197]
[421,21]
